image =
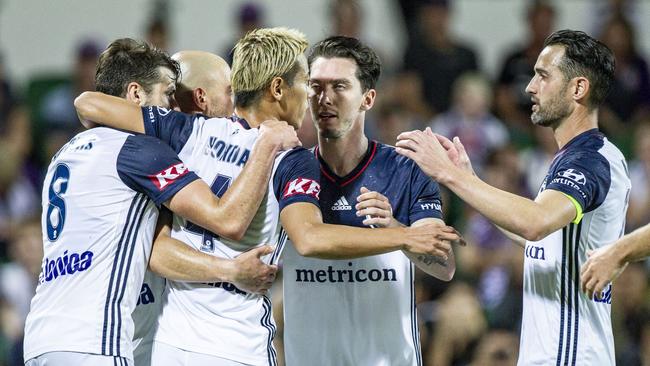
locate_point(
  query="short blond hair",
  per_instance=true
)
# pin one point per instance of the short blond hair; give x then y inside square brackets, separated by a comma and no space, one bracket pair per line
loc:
[263,54]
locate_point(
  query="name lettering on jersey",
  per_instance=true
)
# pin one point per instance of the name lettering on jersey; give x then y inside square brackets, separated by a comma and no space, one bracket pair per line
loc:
[168,175]
[146,295]
[351,275]
[302,186]
[227,286]
[534,252]
[223,151]
[605,296]
[341,205]
[67,264]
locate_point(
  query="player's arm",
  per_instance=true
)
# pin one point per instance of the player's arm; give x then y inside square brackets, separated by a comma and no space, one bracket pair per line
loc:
[607,263]
[175,260]
[532,220]
[303,223]
[99,108]
[378,212]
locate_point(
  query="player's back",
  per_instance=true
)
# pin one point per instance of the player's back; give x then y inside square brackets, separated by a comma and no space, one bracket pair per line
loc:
[97,235]
[560,323]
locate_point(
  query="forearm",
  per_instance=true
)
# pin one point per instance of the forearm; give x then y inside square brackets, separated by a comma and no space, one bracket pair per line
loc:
[327,241]
[433,265]
[512,236]
[634,246]
[518,215]
[238,205]
[108,110]
[177,261]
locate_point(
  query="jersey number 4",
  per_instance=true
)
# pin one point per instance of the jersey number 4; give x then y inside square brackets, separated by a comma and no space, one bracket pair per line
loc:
[55,218]
[219,187]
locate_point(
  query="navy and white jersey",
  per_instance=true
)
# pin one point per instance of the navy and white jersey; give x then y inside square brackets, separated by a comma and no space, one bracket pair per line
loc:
[100,199]
[220,319]
[359,311]
[561,325]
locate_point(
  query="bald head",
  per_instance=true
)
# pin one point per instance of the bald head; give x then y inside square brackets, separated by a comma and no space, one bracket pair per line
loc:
[204,86]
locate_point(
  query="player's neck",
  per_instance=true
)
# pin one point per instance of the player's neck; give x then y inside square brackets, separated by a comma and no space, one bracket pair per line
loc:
[254,116]
[343,154]
[579,121]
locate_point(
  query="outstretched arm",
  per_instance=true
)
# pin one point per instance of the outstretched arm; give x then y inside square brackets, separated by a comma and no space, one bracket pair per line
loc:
[312,238]
[178,261]
[607,263]
[532,220]
[98,108]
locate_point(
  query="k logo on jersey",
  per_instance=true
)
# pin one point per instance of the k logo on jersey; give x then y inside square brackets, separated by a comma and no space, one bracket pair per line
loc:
[574,175]
[304,186]
[169,175]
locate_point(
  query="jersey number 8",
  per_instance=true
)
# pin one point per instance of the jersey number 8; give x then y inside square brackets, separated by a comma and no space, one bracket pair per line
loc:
[55,218]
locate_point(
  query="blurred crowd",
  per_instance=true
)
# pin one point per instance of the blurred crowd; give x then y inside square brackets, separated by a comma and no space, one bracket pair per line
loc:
[439,83]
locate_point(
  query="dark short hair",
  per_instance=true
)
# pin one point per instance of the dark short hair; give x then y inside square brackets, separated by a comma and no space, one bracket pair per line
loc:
[368,64]
[587,57]
[126,60]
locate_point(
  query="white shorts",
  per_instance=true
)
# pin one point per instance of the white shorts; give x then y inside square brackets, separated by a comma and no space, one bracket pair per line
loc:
[164,354]
[64,358]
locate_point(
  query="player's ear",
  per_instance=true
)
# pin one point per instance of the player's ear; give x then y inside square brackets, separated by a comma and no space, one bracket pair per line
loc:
[368,99]
[134,92]
[581,88]
[199,98]
[276,88]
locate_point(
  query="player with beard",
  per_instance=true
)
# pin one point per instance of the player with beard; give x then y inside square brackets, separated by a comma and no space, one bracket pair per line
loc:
[580,206]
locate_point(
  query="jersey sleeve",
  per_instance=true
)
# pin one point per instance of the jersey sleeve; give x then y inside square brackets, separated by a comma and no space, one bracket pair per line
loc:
[173,128]
[297,178]
[146,165]
[425,197]
[585,178]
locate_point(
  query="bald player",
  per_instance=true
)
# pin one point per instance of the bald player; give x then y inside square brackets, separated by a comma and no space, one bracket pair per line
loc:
[205,84]
[203,87]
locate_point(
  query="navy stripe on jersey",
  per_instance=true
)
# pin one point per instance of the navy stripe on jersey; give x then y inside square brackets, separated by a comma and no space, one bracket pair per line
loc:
[569,290]
[268,324]
[134,215]
[415,332]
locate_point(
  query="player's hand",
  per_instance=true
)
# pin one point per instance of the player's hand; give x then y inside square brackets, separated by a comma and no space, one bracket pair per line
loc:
[455,151]
[376,208]
[603,266]
[427,152]
[431,239]
[253,275]
[280,134]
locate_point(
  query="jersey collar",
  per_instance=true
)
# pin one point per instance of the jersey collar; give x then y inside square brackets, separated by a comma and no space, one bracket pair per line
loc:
[355,173]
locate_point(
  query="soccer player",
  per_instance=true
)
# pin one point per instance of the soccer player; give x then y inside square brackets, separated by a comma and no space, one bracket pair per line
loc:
[362,311]
[218,323]
[606,264]
[580,206]
[100,200]
[202,87]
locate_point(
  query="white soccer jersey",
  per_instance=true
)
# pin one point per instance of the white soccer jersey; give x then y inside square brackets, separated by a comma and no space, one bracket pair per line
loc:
[218,318]
[360,311]
[560,325]
[99,214]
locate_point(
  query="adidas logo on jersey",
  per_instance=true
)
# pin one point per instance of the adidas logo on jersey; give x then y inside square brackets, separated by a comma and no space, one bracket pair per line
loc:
[341,205]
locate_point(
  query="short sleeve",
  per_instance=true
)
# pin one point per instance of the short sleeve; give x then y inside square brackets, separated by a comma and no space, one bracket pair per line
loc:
[145,164]
[297,178]
[173,128]
[425,197]
[585,177]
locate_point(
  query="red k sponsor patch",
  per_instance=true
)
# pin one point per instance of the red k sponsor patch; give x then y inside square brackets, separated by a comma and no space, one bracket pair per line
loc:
[169,175]
[304,186]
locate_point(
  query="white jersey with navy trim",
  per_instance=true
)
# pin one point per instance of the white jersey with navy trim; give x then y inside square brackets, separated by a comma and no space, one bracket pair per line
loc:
[218,318]
[360,311]
[561,325]
[99,213]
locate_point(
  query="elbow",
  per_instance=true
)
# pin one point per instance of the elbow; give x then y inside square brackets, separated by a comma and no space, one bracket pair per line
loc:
[83,105]
[534,233]
[305,249]
[233,231]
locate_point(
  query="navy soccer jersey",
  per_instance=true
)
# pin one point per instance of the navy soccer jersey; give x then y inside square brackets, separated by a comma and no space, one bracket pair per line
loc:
[361,311]
[219,319]
[560,324]
[99,213]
